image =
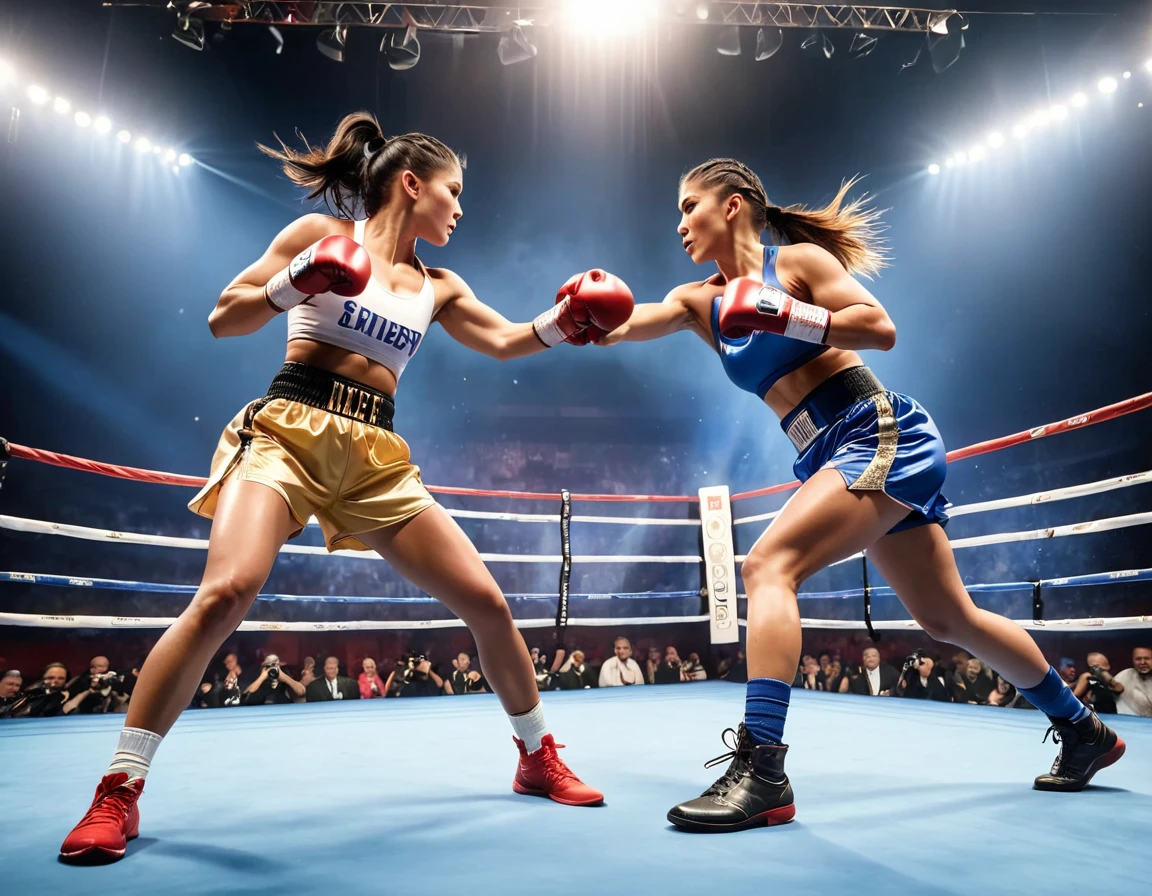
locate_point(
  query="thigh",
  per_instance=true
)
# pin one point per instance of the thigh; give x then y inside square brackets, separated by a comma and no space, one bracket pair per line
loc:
[251,523]
[432,552]
[921,568]
[825,522]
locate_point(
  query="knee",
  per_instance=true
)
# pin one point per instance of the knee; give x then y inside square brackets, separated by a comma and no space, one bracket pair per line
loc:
[487,609]
[949,627]
[220,601]
[768,570]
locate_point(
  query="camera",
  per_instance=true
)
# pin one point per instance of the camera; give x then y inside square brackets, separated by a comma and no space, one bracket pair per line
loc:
[915,660]
[272,667]
[414,660]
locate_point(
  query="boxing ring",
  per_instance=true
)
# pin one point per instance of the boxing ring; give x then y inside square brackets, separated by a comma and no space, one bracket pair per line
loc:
[391,796]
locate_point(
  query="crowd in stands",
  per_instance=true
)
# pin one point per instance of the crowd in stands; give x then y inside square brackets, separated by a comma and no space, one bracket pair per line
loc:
[962,679]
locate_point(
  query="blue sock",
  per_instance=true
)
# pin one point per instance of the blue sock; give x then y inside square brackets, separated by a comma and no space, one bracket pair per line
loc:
[765,708]
[1055,699]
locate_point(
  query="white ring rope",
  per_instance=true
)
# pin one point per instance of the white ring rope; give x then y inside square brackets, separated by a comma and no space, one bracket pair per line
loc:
[1089,624]
[1058,494]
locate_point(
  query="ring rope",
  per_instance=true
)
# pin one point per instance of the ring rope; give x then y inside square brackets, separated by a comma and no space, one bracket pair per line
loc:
[1100,415]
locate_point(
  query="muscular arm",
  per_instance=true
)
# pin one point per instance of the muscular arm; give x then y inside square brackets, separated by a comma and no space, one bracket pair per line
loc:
[482,328]
[1081,688]
[652,320]
[858,319]
[293,685]
[241,308]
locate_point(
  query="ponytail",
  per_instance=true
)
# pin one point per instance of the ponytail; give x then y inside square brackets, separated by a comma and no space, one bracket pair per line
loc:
[354,171]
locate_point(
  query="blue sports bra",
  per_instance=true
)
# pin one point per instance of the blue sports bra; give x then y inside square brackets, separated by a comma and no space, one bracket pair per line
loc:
[755,362]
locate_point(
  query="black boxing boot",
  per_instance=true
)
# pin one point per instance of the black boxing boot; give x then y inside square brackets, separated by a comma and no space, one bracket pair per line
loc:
[754,791]
[1085,747]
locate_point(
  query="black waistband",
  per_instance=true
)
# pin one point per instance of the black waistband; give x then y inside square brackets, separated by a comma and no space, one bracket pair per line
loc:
[828,402]
[320,389]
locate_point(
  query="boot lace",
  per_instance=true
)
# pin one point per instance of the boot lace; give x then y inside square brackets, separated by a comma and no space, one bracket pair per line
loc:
[740,755]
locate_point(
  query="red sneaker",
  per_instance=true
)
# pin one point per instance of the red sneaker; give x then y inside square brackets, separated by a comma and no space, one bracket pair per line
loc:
[110,822]
[544,773]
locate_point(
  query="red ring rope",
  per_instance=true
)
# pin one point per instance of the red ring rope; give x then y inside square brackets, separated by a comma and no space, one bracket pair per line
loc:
[1100,415]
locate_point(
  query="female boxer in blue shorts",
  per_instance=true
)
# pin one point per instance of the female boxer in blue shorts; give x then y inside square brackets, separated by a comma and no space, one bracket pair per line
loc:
[787,324]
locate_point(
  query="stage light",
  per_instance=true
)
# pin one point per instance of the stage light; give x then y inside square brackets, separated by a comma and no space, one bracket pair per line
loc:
[933,168]
[995,140]
[189,32]
[1020,131]
[961,158]
[143,144]
[102,124]
[7,73]
[1079,100]
[515,46]
[185,160]
[1059,112]
[768,44]
[38,94]
[607,17]
[949,162]
[61,105]
[170,155]
[1127,75]
[1040,118]
[1107,85]
[175,169]
[83,119]
[124,137]
[728,44]
[331,43]
[977,152]
[702,12]
[1148,66]
[401,48]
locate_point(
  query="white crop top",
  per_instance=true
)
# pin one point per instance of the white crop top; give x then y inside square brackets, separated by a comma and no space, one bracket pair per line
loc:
[378,324]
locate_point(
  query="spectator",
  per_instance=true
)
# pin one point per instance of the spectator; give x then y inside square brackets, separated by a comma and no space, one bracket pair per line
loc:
[272,685]
[693,670]
[464,679]
[809,677]
[543,673]
[100,691]
[974,686]
[10,686]
[207,696]
[621,669]
[954,671]
[46,697]
[668,672]
[308,672]
[1006,696]
[655,658]
[236,682]
[875,678]
[738,669]
[333,686]
[1096,687]
[921,680]
[370,683]
[575,674]
[834,676]
[422,680]
[1067,671]
[1136,698]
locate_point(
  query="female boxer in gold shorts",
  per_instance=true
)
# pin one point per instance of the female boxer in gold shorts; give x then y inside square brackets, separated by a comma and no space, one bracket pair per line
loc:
[320,443]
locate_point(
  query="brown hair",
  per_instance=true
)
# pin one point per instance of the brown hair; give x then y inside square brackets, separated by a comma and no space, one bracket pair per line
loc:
[850,232]
[359,163]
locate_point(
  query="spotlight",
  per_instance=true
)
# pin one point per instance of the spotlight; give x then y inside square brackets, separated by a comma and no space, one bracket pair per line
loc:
[949,162]
[175,169]
[1079,100]
[61,105]
[729,42]
[330,43]
[515,46]
[170,156]
[1020,131]
[38,94]
[124,137]
[702,11]
[977,152]
[821,38]
[995,140]
[608,17]
[185,160]
[933,168]
[945,39]
[143,144]
[862,44]
[1040,118]
[7,73]
[1107,85]
[83,119]
[403,52]
[189,32]
[768,44]
[1127,75]
[102,124]
[1148,66]
[1059,112]
[961,158]
[156,150]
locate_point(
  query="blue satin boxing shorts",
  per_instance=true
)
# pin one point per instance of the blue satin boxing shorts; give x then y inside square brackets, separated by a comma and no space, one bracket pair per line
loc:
[877,440]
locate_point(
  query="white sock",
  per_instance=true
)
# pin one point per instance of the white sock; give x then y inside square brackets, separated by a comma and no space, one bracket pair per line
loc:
[529,727]
[134,752]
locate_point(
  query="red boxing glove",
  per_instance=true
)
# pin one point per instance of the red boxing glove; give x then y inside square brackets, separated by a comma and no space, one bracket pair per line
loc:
[750,305]
[335,264]
[590,304]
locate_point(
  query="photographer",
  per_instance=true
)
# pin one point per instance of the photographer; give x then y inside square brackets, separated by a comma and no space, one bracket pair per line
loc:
[100,691]
[920,679]
[333,686]
[1096,687]
[44,698]
[272,685]
[10,686]
[420,680]
[464,679]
